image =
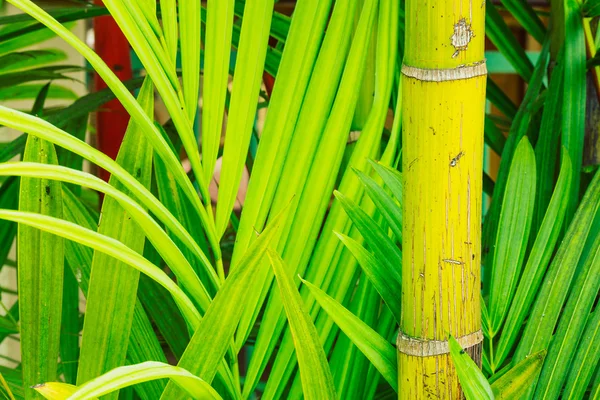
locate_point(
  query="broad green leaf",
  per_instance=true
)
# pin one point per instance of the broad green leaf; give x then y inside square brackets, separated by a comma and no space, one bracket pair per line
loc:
[472,381]
[547,308]
[219,27]
[27,92]
[40,269]
[113,285]
[581,370]
[242,109]
[515,383]
[571,326]
[38,74]
[211,339]
[573,107]
[513,233]
[537,263]
[109,246]
[374,347]
[122,377]
[387,281]
[317,381]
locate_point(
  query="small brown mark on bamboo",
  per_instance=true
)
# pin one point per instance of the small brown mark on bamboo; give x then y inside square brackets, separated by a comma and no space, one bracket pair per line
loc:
[412,162]
[462,36]
[452,261]
[455,160]
[432,130]
[48,190]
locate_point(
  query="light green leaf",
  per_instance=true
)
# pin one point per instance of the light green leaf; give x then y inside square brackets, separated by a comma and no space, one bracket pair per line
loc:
[112,292]
[109,246]
[547,309]
[40,271]
[387,281]
[317,381]
[189,34]
[244,99]
[581,370]
[210,341]
[373,346]
[515,383]
[219,27]
[513,233]
[122,377]
[536,266]
[472,380]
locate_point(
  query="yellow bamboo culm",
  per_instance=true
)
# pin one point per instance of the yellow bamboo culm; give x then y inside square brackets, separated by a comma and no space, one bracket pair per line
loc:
[443,89]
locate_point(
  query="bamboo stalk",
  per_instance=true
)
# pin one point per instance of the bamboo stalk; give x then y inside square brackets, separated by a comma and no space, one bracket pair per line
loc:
[443,89]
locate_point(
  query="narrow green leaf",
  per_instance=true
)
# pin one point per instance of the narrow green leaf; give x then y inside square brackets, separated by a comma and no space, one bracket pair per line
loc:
[472,380]
[513,233]
[498,98]
[122,377]
[539,257]
[515,383]
[166,247]
[573,108]
[219,27]
[571,326]
[385,249]
[22,60]
[211,339]
[189,34]
[548,144]
[387,281]
[69,335]
[499,33]
[546,311]
[385,204]
[317,381]
[109,246]
[168,14]
[527,17]
[244,99]
[373,346]
[581,370]
[40,269]
[134,109]
[113,285]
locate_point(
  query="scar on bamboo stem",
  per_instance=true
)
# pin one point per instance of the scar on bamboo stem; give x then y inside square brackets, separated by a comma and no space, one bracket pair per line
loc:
[454,161]
[462,36]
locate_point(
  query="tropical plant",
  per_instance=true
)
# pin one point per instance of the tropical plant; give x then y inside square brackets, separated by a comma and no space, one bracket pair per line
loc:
[310,298]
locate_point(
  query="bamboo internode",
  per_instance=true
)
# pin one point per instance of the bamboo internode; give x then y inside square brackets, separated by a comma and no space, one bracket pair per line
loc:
[443,87]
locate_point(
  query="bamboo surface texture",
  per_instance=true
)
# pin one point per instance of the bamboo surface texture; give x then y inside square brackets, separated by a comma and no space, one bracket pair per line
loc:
[443,89]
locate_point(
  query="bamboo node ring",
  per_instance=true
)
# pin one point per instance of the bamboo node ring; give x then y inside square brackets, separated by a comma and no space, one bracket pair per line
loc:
[448,74]
[427,348]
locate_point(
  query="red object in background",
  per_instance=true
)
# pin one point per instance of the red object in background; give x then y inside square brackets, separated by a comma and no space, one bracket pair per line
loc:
[112,119]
